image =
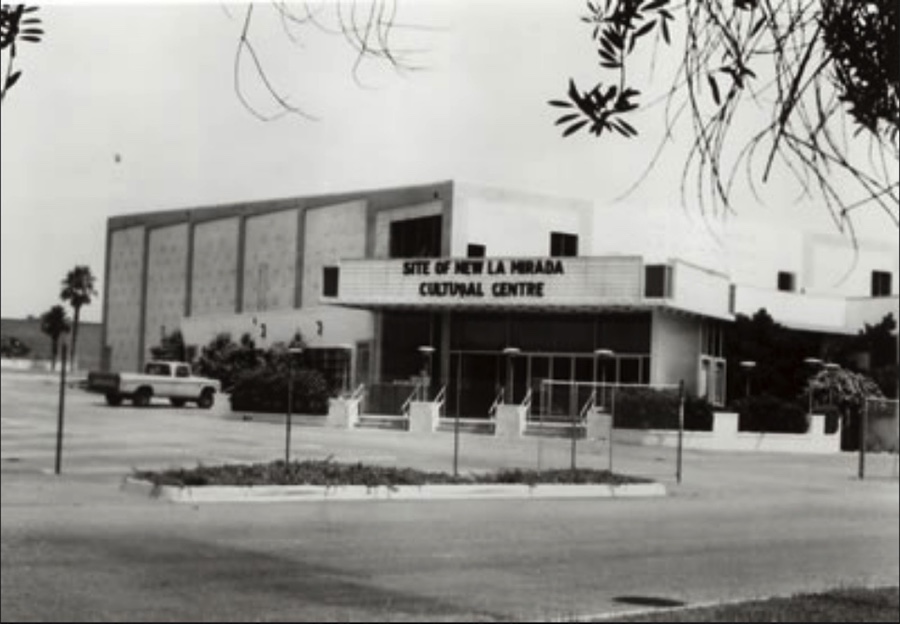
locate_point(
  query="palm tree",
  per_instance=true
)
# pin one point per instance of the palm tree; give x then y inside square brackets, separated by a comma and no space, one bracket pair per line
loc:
[78,288]
[55,323]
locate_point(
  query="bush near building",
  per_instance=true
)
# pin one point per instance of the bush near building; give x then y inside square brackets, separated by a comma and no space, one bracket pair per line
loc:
[265,389]
[770,414]
[12,347]
[649,408]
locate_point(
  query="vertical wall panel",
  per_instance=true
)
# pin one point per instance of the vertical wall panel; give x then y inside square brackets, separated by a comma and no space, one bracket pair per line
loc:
[166,282]
[215,267]
[270,261]
[332,233]
[124,297]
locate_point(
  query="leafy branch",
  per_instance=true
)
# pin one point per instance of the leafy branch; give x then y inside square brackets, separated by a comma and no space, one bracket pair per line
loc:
[814,67]
[17,23]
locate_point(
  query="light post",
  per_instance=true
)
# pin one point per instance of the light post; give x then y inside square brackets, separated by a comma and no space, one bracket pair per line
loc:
[602,354]
[510,353]
[292,351]
[748,366]
[814,363]
[427,352]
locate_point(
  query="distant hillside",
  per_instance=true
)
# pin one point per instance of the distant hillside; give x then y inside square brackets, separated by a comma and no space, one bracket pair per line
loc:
[28,331]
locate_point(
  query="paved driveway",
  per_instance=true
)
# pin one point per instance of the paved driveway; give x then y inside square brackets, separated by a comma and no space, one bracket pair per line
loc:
[75,547]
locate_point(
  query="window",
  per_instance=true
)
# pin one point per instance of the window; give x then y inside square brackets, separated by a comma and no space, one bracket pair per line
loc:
[330,279]
[786,281]
[416,238]
[658,281]
[475,251]
[157,369]
[182,371]
[563,245]
[881,284]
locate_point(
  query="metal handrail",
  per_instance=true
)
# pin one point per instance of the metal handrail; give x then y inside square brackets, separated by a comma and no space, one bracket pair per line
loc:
[404,409]
[497,401]
[441,396]
[526,401]
[358,393]
[588,405]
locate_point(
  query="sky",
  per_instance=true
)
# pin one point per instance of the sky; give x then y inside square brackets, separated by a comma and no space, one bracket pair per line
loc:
[127,108]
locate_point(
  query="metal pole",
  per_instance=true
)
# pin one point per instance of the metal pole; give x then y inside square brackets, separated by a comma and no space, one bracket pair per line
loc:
[540,448]
[61,414]
[862,439]
[612,424]
[290,406]
[574,410]
[680,430]
[456,442]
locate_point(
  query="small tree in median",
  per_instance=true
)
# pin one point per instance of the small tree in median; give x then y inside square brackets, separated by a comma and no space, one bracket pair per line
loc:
[847,391]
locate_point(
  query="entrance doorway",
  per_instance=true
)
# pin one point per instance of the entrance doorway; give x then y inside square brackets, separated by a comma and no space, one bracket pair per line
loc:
[476,379]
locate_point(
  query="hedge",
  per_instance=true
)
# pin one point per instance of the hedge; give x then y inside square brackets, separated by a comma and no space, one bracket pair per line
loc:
[265,389]
[649,408]
[769,414]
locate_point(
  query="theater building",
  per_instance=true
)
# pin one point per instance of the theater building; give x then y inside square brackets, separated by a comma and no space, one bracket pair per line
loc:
[502,288]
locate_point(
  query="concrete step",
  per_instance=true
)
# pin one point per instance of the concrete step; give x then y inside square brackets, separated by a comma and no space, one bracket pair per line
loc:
[382,421]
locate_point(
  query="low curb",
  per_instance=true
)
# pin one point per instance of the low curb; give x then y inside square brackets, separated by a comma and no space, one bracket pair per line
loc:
[318,493]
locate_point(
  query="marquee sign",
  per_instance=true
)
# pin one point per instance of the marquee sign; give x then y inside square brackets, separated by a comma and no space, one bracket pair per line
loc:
[536,282]
[464,278]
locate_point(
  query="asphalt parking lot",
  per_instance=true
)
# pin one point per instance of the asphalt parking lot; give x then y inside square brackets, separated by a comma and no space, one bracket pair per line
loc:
[76,547]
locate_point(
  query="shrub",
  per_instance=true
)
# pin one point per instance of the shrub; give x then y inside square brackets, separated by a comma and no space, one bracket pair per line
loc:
[226,360]
[265,389]
[649,408]
[769,414]
[329,473]
[12,347]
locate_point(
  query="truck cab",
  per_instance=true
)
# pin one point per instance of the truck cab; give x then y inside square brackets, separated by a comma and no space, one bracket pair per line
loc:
[160,379]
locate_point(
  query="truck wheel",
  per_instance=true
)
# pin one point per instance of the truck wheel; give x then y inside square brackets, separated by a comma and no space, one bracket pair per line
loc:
[177,402]
[206,399]
[113,399]
[141,397]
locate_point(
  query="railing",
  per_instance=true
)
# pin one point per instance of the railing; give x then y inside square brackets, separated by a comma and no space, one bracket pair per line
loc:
[404,409]
[498,400]
[588,406]
[526,402]
[441,399]
[358,393]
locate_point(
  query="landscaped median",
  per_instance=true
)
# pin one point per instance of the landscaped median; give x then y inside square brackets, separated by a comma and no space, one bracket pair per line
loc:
[320,480]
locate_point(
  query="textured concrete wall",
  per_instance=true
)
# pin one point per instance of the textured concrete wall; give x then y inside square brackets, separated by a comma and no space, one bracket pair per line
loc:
[166,282]
[385,217]
[512,223]
[270,259]
[214,285]
[124,298]
[321,326]
[331,233]
[675,345]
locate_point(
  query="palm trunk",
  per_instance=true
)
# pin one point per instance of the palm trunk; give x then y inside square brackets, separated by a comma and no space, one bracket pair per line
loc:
[74,337]
[54,349]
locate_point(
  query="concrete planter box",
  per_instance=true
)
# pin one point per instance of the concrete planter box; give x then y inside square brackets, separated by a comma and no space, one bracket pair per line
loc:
[320,493]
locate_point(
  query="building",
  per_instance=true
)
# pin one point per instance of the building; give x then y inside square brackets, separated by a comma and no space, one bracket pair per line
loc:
[28,332]
[473,274]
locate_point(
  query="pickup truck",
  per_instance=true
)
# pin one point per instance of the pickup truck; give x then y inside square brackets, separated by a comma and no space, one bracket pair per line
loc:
[171,380]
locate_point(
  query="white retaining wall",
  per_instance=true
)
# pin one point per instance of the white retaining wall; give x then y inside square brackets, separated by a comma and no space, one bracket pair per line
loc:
[726,437]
